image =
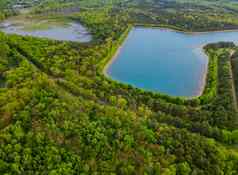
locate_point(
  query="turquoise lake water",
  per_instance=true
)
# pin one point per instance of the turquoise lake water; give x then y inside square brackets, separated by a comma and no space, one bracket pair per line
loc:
[165,61]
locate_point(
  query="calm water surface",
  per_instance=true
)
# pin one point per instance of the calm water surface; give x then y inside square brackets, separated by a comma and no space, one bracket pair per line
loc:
[166,61]
[71,32]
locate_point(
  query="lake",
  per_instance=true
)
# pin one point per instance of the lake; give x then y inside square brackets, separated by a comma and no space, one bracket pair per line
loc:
[70,31]
[164,60]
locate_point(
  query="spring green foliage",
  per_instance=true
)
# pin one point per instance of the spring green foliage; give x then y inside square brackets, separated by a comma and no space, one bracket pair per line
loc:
[61,115]
[189,15]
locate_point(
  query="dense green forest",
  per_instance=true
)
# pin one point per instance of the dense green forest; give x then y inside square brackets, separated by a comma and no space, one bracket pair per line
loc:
[60,115]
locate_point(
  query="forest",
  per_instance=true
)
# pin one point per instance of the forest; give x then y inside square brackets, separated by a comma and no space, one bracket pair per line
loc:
[59,114]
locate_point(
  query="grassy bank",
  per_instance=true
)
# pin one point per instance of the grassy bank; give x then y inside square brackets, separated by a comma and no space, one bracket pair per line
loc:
[234,63]
[104,63]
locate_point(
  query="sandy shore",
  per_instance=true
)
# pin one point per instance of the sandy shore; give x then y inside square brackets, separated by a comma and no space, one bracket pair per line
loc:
[109,63]
[203,80]
[115,55]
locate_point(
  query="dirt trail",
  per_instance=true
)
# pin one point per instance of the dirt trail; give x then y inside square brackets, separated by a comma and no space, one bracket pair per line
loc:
[233,83]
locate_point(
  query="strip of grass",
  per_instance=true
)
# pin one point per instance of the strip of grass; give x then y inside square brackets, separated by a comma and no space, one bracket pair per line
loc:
[234,63]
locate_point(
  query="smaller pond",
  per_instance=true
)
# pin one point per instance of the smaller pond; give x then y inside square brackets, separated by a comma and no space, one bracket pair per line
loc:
[70,31]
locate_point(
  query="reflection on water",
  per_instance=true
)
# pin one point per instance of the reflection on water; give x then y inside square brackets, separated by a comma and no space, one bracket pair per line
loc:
[71,32]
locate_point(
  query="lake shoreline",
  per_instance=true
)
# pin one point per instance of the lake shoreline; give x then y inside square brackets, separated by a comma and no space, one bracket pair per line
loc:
[180,30]
[50,28]
[111,61]
[118,47]
[203,80]
[115,52]
[203,83]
